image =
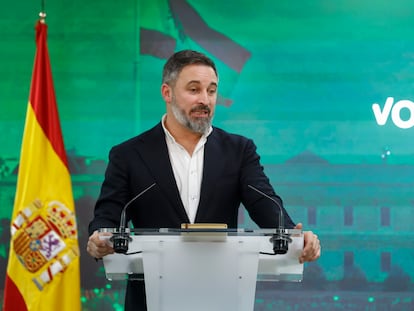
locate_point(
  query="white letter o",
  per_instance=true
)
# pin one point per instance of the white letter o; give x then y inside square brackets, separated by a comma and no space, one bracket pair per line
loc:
[395,114]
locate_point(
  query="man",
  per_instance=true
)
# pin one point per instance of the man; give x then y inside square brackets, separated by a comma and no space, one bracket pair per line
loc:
[201,173]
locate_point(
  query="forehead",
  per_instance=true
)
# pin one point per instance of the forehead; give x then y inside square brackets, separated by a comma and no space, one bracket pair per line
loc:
[197,73]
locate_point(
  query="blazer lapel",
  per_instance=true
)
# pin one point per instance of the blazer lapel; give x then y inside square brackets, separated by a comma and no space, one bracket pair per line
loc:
[211,171]
[155,154]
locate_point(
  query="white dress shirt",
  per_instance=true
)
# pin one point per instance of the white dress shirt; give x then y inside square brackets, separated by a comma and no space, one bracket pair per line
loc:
[188,170]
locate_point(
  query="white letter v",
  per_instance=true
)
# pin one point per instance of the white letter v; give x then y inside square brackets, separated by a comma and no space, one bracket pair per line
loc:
[382,116]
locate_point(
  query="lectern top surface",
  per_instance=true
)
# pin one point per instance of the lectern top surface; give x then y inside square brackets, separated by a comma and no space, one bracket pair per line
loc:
[230,232]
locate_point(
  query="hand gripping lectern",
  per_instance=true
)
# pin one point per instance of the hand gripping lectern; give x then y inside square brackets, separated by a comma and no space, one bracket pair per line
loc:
[204,269]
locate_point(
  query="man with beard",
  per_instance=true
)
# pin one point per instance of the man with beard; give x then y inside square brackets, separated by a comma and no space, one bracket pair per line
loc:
[201,173]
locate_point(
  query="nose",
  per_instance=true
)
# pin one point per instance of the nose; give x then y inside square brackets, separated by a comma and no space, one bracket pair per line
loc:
[204,98]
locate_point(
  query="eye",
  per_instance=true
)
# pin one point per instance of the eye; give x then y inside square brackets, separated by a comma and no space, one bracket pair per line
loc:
[212,91]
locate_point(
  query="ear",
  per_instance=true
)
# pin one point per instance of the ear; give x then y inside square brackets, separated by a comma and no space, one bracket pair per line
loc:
[166,92]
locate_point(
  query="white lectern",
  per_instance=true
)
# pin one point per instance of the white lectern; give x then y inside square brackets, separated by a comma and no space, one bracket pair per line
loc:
[204,270]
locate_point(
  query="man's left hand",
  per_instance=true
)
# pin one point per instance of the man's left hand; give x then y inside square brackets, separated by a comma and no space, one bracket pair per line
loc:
[312,247]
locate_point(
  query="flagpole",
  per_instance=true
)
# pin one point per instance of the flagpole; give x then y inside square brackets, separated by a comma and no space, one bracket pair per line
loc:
[42,13]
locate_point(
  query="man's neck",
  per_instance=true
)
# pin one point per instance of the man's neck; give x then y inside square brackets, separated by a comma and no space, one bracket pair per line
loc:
[182,135]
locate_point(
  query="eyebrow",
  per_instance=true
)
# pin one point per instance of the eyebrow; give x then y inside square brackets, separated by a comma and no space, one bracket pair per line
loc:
[199,82]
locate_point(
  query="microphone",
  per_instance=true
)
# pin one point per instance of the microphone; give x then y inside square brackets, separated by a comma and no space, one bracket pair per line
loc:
[121,239]
[281,238]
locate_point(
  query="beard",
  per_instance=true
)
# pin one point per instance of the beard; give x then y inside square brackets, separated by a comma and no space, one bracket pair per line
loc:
[197,125]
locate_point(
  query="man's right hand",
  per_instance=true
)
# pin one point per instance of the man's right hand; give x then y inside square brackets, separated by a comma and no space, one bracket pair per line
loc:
[99,246]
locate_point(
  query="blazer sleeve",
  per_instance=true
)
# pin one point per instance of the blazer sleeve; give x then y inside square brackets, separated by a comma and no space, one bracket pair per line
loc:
[263,211]
[113,196]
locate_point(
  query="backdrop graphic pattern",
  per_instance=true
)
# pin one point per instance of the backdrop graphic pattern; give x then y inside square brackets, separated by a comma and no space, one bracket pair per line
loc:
[299,78]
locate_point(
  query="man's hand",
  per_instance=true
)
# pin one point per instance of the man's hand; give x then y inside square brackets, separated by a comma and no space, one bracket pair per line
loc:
[312,247]
[98,247]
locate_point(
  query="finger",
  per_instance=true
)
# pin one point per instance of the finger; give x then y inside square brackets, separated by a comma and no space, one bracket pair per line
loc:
[91,248]
[98,251]
[311,250]
[316,249]
[98,247]
[101,238]
[299,226]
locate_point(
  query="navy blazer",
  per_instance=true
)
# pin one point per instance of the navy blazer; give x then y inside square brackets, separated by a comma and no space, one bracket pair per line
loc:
[231,163]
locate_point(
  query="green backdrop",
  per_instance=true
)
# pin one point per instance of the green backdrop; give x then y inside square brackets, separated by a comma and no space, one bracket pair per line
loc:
[300,78]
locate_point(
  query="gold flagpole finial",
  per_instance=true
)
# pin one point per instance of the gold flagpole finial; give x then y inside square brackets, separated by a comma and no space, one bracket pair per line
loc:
[42,16]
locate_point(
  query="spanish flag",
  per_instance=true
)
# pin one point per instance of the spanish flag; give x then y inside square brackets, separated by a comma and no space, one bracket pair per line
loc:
[43,266]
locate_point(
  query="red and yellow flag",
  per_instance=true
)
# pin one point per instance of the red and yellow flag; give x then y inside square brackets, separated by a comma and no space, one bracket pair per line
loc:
[43,267]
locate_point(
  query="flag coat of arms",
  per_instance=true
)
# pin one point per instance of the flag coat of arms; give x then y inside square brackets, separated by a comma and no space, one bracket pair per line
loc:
[43,266]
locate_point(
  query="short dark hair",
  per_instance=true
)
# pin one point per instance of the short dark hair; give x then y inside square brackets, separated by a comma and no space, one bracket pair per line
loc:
[179,60]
